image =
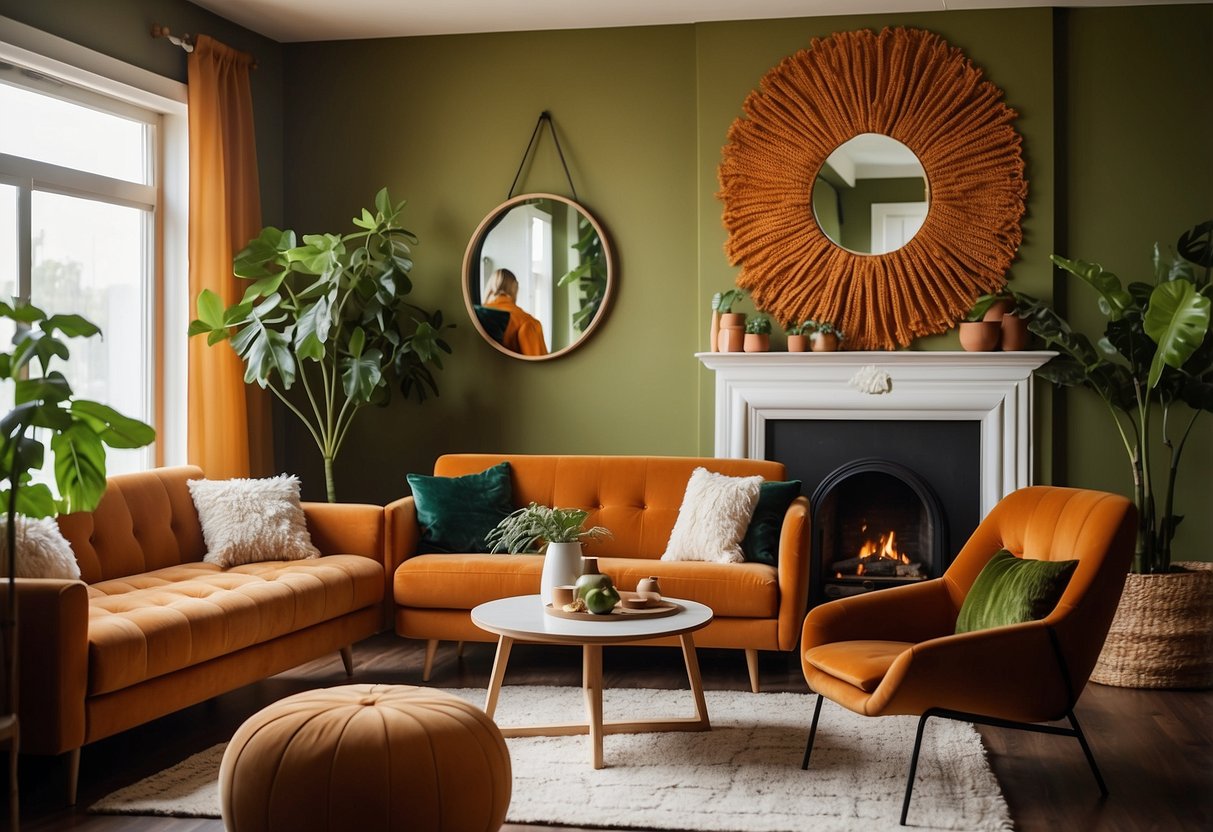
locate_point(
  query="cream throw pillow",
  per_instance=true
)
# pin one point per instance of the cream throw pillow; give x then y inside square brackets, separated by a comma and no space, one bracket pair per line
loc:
[42,550]
[715,513]
[248,521]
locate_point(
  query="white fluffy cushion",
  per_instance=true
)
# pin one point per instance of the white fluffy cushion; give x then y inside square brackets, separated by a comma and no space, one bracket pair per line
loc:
[246,521]
[715,513]
[42,550]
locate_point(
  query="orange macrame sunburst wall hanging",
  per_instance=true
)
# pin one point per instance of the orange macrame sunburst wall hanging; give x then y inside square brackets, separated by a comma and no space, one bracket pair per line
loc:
[908,84]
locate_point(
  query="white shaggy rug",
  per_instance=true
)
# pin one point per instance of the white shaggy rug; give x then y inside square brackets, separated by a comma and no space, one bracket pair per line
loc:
[742,775]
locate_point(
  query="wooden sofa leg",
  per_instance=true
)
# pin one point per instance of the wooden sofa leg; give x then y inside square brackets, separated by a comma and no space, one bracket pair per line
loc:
[431,647]
[347,659]
[751,663]
[459,650]
[73,775]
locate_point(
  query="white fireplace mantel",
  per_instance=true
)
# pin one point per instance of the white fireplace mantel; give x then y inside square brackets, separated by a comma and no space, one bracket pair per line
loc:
[993,388]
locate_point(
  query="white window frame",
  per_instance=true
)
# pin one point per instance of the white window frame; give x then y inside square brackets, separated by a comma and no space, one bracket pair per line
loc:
[168,292]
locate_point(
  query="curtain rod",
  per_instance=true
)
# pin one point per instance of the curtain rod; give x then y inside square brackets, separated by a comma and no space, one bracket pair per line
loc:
[185,41]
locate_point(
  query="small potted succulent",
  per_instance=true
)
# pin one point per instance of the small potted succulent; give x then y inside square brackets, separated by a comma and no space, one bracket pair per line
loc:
[758,333]
[557,532]
[825,337]
[798,337]
[728,327]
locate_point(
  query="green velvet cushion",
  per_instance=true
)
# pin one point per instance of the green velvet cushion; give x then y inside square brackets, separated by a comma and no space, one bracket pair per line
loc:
[455,513]
[761,541]
[1011,590]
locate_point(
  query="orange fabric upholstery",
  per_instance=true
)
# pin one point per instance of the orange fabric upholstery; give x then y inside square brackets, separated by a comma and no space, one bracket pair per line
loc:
[757,606]
[849,646]
[151,628]
[383,757]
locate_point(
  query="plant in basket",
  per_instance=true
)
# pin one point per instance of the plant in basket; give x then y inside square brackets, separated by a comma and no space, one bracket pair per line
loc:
[1153,368]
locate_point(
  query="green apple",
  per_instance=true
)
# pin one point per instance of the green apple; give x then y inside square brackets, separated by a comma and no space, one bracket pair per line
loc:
[601,600]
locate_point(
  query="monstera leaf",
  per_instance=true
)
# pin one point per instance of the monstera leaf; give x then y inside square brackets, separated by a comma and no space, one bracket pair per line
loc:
[1177,319]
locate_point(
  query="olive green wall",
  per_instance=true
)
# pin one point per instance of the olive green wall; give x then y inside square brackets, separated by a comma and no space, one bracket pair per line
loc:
[1138,169]
[122,30]
[857,205]
[1113,99]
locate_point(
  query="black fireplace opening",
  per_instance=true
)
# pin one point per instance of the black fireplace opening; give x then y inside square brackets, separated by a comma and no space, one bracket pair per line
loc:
[876,524]
[919,479]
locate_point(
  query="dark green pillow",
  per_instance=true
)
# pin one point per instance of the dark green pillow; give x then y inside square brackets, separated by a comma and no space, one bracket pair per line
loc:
[761,541]
[1011,590]
[455,513]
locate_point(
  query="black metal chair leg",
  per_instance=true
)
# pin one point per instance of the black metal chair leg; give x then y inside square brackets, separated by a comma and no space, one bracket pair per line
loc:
[1086,749]
[808,749]
[905,804]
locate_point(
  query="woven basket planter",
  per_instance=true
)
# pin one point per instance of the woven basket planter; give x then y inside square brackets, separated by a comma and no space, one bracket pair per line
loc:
[1162,635]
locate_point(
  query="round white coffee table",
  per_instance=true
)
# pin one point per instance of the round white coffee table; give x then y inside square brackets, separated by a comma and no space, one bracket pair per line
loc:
[522,618]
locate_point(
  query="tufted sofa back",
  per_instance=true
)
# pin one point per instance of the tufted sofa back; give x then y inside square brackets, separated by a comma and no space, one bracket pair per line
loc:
[636,497]
[145,521]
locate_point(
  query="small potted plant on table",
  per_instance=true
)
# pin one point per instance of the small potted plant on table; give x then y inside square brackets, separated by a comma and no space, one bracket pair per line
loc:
[798,337]
[557,532]
[824,336]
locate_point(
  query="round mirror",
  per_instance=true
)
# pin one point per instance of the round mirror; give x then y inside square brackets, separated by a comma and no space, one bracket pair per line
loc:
[537,276]
[871,195]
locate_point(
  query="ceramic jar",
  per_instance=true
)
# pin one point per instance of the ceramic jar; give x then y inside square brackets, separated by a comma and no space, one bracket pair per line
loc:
[561,566]
[647,589]
[980,336]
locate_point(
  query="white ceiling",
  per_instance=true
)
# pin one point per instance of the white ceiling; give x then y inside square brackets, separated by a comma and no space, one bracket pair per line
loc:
[307,20]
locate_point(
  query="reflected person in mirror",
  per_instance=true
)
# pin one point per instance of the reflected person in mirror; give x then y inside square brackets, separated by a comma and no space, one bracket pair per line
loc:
[523,333]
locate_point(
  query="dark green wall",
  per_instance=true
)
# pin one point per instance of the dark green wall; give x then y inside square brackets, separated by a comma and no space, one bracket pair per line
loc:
[1137,169]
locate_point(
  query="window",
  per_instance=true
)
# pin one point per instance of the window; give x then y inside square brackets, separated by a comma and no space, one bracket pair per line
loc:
[90,196]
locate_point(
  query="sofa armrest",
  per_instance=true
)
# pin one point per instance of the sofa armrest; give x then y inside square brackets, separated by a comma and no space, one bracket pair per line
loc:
[403,533]
[52,653]
[346,528]
[794,538]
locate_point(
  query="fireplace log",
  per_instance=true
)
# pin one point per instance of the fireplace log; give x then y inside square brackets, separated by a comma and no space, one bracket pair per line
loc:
[909,570]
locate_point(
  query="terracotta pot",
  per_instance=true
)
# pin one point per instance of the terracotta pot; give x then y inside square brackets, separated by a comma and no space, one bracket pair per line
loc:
[732,339]
[755,342]
[714,332]
[825,342]
[1015,333]
[980,336]
[798,343]
[732,319]
[997,309]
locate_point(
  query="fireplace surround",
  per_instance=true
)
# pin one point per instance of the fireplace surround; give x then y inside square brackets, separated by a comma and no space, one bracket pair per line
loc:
[958,424]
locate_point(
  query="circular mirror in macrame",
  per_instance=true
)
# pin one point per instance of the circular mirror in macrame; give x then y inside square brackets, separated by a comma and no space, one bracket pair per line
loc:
[913,86]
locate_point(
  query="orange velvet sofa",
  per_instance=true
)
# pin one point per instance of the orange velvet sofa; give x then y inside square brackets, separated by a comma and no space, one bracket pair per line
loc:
[757,606]
[151,628]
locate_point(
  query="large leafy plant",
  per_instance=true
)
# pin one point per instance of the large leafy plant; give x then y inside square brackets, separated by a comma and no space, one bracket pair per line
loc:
[45,410]
[590,274]
[1153,368]
[332,316]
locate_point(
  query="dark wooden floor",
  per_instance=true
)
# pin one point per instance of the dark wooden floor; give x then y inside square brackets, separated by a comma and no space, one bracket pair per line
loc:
[1155,748]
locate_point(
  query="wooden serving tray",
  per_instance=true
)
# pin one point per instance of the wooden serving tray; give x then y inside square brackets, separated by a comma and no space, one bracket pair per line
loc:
[658,610]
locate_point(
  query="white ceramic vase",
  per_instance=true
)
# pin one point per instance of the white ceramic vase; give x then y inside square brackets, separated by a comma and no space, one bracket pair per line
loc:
[561,567]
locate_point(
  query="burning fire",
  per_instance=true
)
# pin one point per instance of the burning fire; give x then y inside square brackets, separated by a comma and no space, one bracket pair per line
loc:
[885,549]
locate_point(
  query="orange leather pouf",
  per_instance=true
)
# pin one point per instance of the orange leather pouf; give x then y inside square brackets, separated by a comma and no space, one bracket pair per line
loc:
[374,757]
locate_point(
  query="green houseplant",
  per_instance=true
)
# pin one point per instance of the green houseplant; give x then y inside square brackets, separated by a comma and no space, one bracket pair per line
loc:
[823,335]
[728,326]
[1153,370]
[78,431]
[798,336]
[758,333]
[590,273]
[557,532]
[333,316]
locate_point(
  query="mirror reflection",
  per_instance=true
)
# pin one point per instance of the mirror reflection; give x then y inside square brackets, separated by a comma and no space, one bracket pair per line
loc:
[536,276]
[872,195]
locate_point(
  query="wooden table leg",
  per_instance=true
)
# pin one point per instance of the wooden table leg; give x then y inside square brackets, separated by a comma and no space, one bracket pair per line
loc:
[692,663]
[591,681]
[504,643]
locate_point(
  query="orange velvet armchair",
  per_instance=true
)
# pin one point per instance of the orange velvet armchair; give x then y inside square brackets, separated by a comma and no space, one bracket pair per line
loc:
[896,651]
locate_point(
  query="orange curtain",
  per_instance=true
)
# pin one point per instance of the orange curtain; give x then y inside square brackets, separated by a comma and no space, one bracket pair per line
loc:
[229,421]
